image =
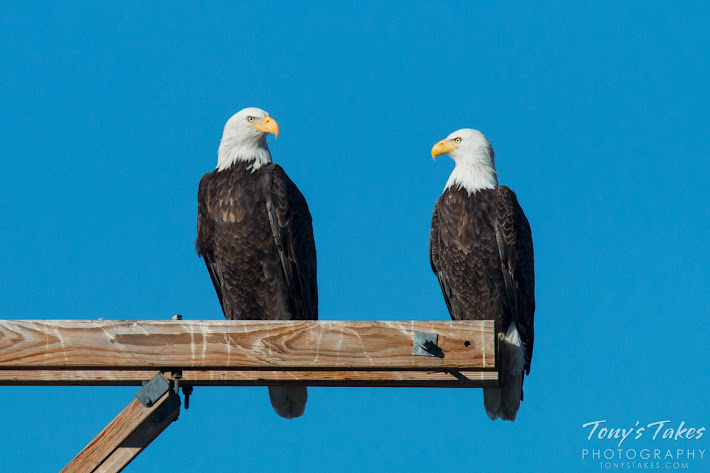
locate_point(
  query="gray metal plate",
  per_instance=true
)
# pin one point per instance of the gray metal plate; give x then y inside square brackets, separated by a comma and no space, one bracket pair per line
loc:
[153,390]
[426,344]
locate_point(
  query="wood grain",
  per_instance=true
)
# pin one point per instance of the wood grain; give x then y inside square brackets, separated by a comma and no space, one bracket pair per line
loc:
[135,443]
[242,345]
[132,419]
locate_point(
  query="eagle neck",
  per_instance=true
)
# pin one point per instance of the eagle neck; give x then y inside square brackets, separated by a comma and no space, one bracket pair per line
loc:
[254,152]
[473,176]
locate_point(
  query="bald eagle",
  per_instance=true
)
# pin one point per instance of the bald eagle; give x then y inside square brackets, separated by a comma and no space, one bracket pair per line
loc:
[255,235]
[481,251]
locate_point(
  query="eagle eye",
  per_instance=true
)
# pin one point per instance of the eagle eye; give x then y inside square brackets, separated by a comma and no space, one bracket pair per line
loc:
[457,140]
[251,119]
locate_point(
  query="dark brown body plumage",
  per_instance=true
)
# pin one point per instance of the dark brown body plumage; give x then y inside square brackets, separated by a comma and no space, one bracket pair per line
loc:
[482,253]
[255,234]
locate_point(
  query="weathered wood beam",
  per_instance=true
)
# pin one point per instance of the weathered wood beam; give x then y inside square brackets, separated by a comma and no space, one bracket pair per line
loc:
[127,435]
[243,345]
[135,443]
[468,379]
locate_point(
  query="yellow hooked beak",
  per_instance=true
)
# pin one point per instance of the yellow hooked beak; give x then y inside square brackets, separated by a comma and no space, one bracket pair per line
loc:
[267,125]
[441,148]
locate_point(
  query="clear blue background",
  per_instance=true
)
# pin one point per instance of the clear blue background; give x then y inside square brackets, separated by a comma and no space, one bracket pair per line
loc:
[598,112]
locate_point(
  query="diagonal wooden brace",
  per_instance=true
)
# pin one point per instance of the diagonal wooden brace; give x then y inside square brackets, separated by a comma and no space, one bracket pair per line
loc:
[129,433]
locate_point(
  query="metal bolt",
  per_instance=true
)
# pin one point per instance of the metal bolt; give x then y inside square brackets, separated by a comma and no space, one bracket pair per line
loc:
[187,390]
[176,382]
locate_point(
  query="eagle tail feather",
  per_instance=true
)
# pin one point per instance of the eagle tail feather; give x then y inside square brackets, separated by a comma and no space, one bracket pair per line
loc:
[510,397]
[288,401]
[491,402]
[504,402]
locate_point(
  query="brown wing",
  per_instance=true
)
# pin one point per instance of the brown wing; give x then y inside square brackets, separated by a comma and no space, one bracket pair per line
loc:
[203,243]
[435,257]
[516,251]
[292,229]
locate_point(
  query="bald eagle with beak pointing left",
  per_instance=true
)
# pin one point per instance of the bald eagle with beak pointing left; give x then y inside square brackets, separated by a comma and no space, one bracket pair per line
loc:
[255,235]
[481,251]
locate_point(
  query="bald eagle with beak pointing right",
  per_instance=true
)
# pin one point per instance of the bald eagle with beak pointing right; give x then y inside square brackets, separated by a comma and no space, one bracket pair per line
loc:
[255,234]
[481,251]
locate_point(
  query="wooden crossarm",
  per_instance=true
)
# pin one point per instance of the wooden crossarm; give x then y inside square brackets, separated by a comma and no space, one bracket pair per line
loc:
[235,353]
[317,353]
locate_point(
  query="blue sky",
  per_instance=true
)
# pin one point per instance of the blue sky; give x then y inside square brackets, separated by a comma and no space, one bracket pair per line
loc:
[597,112]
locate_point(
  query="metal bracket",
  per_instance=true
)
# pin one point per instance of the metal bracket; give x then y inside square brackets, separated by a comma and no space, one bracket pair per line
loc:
[425,344]
[152,390]
[164,410]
